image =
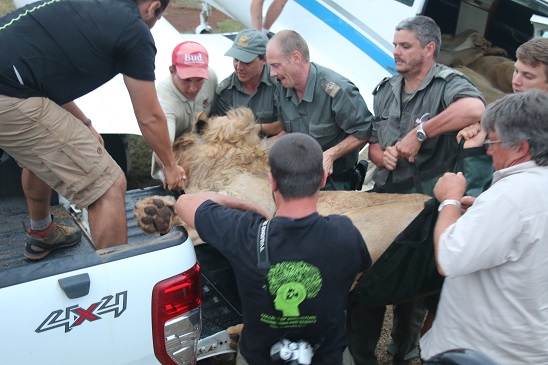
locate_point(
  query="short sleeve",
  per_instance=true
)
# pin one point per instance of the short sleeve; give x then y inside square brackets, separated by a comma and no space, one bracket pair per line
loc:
[137,52]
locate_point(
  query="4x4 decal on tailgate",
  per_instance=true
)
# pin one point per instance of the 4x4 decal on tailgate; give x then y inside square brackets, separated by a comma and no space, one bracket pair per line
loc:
[75,315]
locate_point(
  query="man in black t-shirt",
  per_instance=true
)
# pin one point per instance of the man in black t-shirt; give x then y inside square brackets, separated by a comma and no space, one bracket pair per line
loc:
[299,290]
[51,53]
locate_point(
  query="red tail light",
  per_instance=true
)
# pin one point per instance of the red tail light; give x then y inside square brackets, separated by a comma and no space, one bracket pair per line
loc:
[176,319]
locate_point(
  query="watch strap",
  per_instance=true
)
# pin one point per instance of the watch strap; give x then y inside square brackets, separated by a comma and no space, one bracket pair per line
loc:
[448,202]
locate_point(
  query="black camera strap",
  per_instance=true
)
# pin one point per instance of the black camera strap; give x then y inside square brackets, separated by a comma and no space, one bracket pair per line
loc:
[263,262]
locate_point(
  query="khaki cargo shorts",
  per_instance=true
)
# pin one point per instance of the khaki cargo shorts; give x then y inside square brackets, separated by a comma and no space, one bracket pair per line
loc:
[43,137]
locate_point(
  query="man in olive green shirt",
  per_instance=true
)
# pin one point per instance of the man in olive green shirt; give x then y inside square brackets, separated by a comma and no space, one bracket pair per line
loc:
[317,101]
[250,84]
[418,113]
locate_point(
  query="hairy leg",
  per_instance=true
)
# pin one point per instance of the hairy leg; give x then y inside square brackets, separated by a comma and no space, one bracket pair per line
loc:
[107,216]
[37,193]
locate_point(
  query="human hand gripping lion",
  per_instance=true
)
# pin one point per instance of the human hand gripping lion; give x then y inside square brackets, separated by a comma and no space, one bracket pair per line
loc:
[156,214]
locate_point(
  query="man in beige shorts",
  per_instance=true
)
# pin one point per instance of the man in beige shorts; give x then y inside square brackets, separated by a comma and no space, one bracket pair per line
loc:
[46,133]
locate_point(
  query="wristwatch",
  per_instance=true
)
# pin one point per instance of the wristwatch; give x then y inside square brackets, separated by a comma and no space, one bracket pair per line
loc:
[448,202]
[421,135]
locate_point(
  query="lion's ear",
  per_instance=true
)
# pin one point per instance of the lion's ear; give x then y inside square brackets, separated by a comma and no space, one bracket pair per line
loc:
[201,122]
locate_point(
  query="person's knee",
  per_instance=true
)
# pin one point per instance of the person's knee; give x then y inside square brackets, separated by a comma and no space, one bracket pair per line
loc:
[117,190]
[119,186]
[121,182]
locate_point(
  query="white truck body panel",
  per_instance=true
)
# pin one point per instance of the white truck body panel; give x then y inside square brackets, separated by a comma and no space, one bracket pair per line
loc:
[118,307]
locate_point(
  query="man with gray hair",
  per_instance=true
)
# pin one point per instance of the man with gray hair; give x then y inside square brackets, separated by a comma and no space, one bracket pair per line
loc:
[418,113]
[495,257]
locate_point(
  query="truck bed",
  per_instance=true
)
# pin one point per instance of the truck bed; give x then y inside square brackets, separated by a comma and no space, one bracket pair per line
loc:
[220,304]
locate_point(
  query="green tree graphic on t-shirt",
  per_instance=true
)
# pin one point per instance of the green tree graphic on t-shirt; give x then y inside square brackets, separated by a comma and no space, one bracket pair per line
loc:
[291,282]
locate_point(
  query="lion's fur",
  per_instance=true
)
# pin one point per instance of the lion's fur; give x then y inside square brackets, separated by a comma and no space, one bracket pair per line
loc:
[225,155]
[465,48]
[497,69]
[490,93]
[488,67]
[219,149]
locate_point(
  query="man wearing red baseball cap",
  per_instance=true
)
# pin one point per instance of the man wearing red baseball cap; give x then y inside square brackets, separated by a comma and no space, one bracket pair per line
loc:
[188,90]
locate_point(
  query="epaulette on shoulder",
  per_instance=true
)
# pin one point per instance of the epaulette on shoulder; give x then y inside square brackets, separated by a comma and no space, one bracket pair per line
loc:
[222,85]
[330,87]
[383,81]
[446,72]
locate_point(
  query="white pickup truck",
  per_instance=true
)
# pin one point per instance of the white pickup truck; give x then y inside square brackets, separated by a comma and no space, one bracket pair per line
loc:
[140,303]
[133,304]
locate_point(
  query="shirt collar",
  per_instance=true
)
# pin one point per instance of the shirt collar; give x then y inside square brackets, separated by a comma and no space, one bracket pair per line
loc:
[502,173]
[397,81]
[309,88]
[264,79]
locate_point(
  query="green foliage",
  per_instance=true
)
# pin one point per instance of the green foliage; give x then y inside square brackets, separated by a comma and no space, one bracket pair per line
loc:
[140,157]
[229,26]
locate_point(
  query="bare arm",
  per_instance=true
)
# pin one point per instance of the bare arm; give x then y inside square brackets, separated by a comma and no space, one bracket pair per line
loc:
[376,153]
[153,125]
[187,205]
[349,144]
[460,114]
[256,10]
[269,129]
[273,12]
[73,109]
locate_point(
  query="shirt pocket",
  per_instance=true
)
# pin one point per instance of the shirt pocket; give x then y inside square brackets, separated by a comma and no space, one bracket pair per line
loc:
[73,158]
[265,116]
[387,130]
[324,129]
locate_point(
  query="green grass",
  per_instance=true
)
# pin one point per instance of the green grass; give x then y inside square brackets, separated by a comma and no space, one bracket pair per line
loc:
[229,26]
[187,4]
[140,157]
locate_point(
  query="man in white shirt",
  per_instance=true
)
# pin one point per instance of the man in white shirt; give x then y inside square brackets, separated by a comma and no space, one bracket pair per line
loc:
[188,90]
[495,256]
